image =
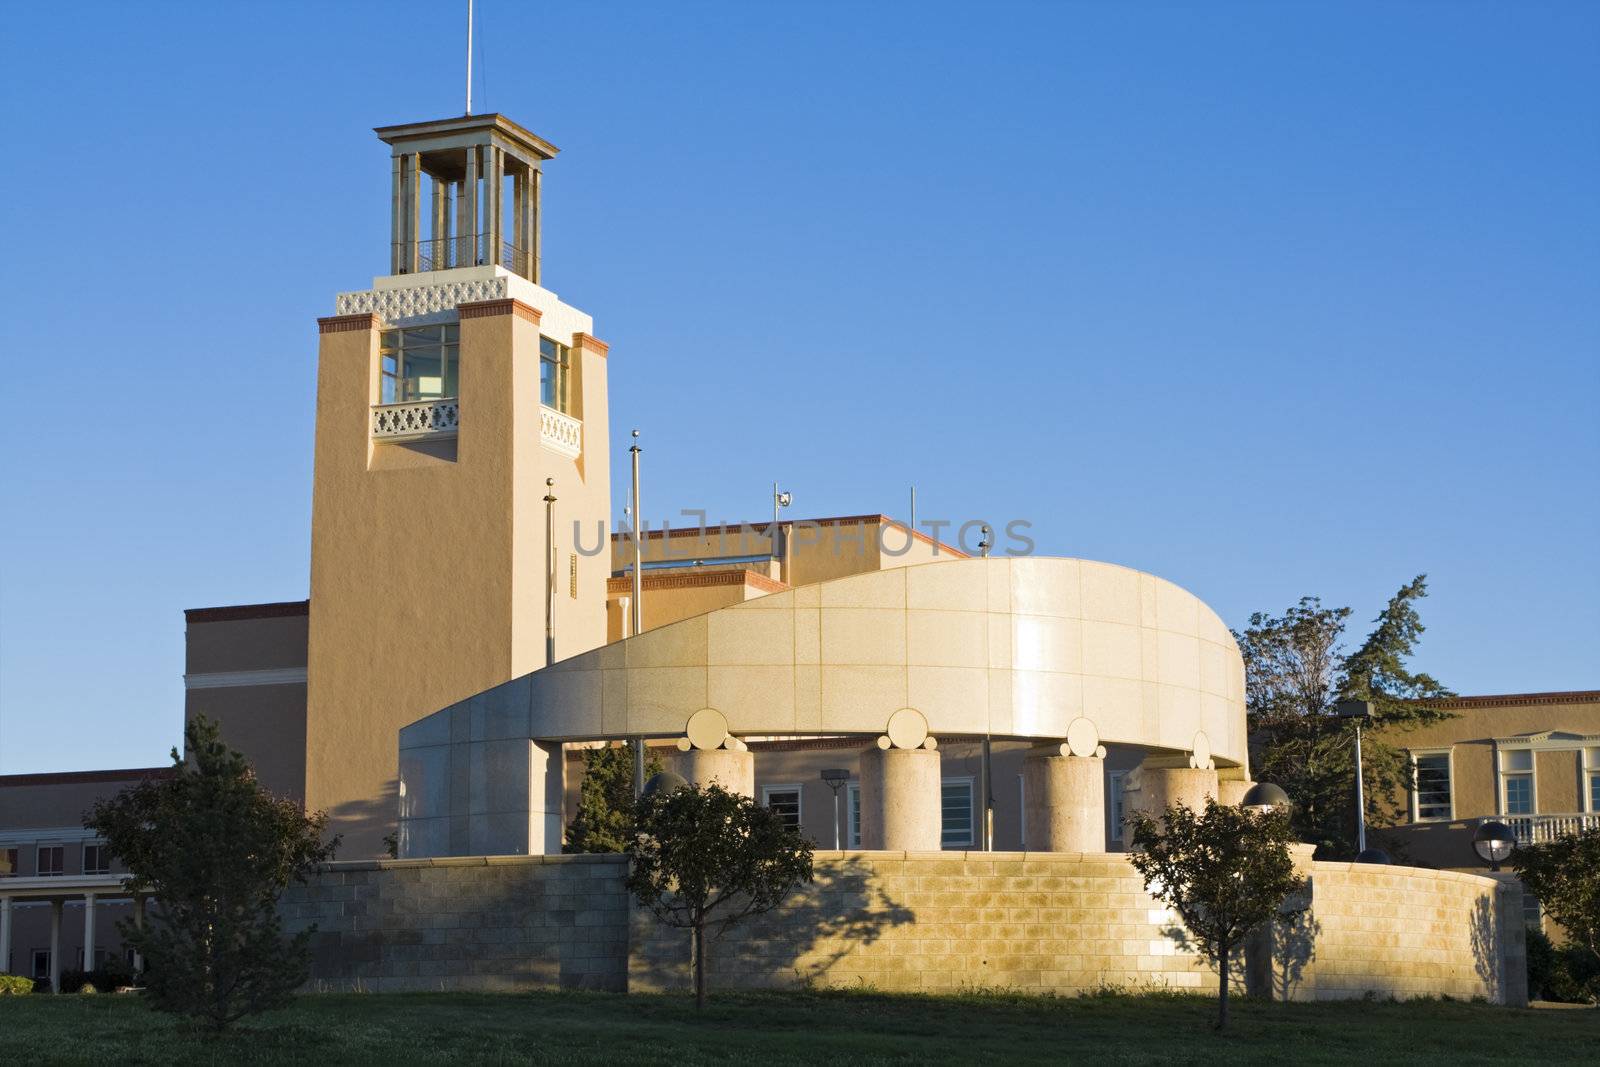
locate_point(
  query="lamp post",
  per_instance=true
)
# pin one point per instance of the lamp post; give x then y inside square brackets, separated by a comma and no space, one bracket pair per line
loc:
[550,571]
[1360,711]
[638,600]
[1493,842]
[1264,796]
[835,780]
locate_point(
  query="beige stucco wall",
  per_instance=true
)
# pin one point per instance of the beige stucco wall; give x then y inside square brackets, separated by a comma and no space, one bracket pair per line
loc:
[428,563]
[940,922]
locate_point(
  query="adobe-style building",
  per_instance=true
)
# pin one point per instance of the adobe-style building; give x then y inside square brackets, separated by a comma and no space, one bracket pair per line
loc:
[473,626]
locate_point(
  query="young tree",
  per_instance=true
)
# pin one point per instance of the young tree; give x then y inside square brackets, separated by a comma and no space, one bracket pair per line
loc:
[215,850]
[604,819]
[1225,871]
[1296,671]
[708,857]
[1564,876]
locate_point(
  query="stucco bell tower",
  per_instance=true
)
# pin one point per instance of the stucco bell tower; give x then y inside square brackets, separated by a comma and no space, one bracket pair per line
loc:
[447,395]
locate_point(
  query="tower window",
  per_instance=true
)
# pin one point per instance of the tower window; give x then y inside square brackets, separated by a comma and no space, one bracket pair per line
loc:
[420,363]
[554,360]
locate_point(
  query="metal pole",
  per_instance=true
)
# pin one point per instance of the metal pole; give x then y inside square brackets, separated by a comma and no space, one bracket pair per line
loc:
[638,600]
[984,844]
[550,572]
[469,57]
[1361,804]
[836,820]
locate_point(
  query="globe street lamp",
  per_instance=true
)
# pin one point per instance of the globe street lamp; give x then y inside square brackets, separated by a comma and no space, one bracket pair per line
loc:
[1264,797]
[835,780]
[1493,842]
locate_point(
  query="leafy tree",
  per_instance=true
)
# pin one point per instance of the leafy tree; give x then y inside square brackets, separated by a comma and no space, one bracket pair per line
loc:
[215,849]
[710,857]
[1296,671]
[1225,871]
[1564,875]
[604,820]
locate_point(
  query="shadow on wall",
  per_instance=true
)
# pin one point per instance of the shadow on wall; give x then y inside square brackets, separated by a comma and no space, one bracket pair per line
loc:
[363,824]
[1294,948]
[808,939]
[1485,957]
[1272,961]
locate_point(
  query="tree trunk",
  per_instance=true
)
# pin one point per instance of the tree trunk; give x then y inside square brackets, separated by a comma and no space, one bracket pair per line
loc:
[1222,995]
[699,964]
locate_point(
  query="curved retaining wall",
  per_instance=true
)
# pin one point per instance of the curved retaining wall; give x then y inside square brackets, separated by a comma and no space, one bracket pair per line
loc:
[1034,922]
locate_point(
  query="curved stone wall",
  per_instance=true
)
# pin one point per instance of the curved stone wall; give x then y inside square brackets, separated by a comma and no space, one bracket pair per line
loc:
[1029,922]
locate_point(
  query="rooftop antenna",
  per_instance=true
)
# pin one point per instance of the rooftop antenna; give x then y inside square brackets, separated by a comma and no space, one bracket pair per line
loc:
[469,57]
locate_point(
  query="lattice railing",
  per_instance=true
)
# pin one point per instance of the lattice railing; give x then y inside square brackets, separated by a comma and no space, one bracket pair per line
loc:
[560,433]
[418,418]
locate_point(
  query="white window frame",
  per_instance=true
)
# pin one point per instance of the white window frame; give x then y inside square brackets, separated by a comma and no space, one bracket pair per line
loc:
[799,799]
[1589,771]
[1450,764]
[972,818]
[83,857]
[1115,780]
[38,867]
[1501,775]
[852,815]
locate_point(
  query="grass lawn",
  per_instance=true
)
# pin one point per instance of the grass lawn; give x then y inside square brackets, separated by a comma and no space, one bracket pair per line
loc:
[823,1028]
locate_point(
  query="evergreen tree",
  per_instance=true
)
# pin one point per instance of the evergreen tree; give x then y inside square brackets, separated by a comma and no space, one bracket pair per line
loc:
[215,850]
[604,819]
[1296,671]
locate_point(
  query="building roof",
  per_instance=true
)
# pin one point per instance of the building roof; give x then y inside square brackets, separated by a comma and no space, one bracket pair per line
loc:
[239,612]
[696,579]
[761,526]
[130,774]
[1517,700]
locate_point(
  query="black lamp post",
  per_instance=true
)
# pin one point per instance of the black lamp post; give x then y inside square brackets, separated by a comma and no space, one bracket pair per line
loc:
[665,782]
[1361,712]
[1494,842]
[1264,796]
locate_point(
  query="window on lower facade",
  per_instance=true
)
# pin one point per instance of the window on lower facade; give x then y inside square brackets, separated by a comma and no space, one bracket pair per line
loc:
[96,860]
[955,812]
[41,963]
[1516,781]
[1433,785]
[1530,911]
[854,836]
[785,800]
[554,371]
[1591,764]
[8,863]
[420,363]
[52,860]
[1114,807]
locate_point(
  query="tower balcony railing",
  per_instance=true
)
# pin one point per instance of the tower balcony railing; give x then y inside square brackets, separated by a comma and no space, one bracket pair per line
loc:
[1537,829]
[416,419]
[448,253]
[560,433]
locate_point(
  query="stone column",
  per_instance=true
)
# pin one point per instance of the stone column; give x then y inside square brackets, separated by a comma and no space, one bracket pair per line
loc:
[88,931]
[1065,801]
[5,934]
[469,209]
[494,200]
[439,245]
[1231,791]
[900,799]
[732,770]
[55,946]
[413,212]
[536,177]
[1162,787]
[397,217]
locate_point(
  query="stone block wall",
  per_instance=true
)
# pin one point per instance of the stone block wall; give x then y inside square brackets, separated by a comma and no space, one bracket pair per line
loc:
[941,922]
[1408,932]
[934,922]
[495,923]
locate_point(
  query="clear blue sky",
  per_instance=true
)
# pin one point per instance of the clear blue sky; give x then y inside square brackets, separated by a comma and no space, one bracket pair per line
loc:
[1268,299]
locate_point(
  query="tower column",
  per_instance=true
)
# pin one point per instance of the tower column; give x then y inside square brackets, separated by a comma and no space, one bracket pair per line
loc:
[900,799]
[535,251]
[1065,808]
[494,203]
[397,216]
[469,204]
[413,186]
[439,246]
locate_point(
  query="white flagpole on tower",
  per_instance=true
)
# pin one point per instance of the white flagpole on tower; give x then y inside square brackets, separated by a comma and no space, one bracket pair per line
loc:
[469,57]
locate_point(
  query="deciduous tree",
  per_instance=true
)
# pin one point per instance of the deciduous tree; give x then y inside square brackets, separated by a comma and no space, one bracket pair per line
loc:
[1564,875]
[1224,870]
[708,857]
[215,850]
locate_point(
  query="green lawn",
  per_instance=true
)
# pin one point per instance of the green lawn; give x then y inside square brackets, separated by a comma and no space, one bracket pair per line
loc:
[801,1028]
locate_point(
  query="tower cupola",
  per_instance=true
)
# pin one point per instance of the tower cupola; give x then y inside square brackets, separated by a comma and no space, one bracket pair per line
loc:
[475,167]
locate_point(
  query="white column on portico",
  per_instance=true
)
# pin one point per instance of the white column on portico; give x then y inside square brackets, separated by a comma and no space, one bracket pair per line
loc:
[55,946]
[5,934]
[138,924]
[88,931]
